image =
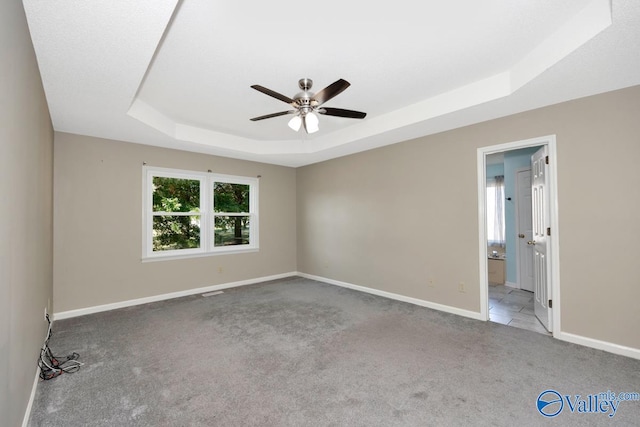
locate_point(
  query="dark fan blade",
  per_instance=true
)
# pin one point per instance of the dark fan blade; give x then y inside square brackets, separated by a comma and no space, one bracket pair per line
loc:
[270,92]
[330,91]
[339,112]
[268,116]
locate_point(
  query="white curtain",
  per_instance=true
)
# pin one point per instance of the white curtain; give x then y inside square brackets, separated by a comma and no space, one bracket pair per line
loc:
[495,211]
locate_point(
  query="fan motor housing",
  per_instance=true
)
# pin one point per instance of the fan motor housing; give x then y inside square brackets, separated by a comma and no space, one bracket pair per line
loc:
[304,100]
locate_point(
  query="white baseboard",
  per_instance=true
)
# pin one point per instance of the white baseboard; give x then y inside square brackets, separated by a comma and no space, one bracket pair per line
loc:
[398,297]
[145,300]
[34,387]
[27,412]
[564,336]
[512,285]
[621,350]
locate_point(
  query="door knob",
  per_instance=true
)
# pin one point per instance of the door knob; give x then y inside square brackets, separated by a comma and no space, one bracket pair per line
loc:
[531,242]
[521,236]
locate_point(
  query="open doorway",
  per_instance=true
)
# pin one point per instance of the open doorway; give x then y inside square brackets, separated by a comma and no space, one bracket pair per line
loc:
[505,183]
[509,228]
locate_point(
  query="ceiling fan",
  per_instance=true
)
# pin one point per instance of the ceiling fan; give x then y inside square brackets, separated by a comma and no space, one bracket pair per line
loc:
[306,104]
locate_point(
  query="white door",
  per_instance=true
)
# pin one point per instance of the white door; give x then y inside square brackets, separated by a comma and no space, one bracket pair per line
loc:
[525,231]
[540,240]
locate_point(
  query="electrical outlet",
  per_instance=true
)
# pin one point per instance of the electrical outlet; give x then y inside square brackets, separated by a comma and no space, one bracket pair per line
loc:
[219,270]
[431,283]
[461,287]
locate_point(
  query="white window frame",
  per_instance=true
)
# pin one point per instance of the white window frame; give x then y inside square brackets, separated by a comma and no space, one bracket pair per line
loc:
[207,215]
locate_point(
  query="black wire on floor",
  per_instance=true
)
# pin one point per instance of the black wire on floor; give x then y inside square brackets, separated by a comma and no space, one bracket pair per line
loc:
[51,366]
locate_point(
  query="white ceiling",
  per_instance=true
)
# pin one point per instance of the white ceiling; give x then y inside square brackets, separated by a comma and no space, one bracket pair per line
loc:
[177,74]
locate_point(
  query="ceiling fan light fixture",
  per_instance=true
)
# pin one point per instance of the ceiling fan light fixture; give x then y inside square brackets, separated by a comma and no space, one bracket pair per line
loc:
[311,122]
[307,105]
[295,123]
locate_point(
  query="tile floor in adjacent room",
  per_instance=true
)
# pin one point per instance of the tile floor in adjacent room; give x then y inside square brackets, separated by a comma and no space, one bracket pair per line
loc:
[513,307]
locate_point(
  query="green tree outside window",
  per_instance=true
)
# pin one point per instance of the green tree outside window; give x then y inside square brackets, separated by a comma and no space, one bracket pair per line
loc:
[176,195]
[231,208]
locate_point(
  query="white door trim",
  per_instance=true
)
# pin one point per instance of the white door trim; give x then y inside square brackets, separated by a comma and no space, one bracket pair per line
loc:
[483,152]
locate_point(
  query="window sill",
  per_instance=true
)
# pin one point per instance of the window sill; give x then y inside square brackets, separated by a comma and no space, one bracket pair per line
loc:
[197,255]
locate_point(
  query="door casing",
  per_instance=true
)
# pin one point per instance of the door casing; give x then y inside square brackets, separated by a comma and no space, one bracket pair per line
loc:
[482,153]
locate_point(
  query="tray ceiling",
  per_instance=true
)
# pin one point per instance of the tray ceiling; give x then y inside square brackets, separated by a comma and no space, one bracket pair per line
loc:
[178,73]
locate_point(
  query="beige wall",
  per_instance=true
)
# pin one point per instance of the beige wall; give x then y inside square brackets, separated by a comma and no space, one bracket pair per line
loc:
[395,217]
[26,145]
[98,224]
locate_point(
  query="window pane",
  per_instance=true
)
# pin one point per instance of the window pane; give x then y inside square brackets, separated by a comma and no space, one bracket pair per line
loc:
[176,194]
[231,230]
[230,197]
[495,215]
[176,232]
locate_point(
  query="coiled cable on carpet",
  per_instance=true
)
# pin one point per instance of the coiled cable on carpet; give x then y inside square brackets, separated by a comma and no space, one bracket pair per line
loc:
[51,366]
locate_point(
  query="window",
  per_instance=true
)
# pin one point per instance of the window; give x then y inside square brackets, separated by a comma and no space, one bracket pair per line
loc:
[193,213]
[495,211]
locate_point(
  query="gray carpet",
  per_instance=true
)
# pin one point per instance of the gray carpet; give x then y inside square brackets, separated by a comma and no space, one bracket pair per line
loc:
[301,353]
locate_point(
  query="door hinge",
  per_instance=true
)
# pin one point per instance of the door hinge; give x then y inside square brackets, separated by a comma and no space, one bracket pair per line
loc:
[546,159]
[548,231]
[550,303]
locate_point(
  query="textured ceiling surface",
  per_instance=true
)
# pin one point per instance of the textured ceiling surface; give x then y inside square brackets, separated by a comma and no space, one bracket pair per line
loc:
[178,73]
